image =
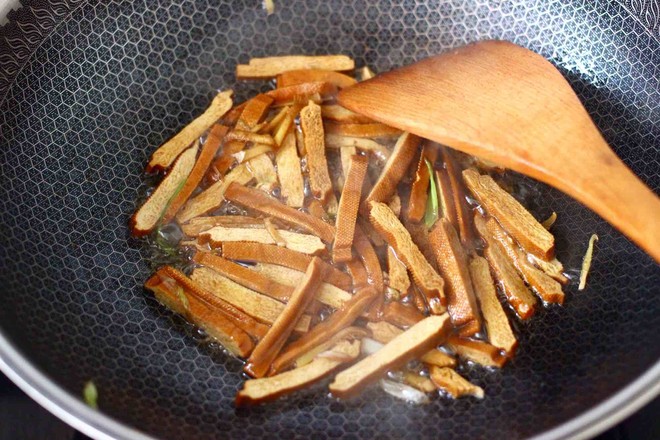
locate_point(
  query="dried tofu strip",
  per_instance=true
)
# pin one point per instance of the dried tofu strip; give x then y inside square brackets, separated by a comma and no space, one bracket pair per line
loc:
[348,209]
[384,332]
[313,137]
[248,116]
[339,320]
[327,294]
[452,262]
[395,204]
[300,143]
[271,125]
[497,324]
[337,113]
[270,67]
[552,268]
[545,287]
[380,151]
[295,77]
[163,157]
[259,201]
[269,347]
[422,383]
[358,273]
[463,222]
[264,253]
[397,236]
[169,291]
[438,358]
[200,224]
[374,237]
[420,186]
[148,216]
[285,125]
[251,153]
[212,197]
[288,168]
[418,300]
[397,272]
[260,307]
[307,244]
[366,73]
[370,130]
[223,162]
[345,161]
[254,111]
[244,276]
[347,334]
[517,294]
[332,205]
[239,318]
[301,93]
[264,173]
[274,232]
[248,136]
[395,168]
[315,208]
[548,289]
[257,391]
[454,384]
[479,352]
[513,217]
[423,336]
[371,263]
[401,315]
[210,147]
[231,117]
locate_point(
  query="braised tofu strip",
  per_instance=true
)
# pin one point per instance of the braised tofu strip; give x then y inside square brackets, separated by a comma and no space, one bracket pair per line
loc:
[309,240]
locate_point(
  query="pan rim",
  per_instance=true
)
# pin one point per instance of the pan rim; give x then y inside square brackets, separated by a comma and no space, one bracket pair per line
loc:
[71,410]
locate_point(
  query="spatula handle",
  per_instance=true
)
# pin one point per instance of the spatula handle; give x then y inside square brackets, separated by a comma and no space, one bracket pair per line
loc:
[620,197]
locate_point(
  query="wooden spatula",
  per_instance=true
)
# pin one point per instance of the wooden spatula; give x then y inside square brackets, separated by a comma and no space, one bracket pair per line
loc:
[507,104]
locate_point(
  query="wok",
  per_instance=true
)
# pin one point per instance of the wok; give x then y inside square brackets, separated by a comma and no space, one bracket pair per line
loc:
[89,88]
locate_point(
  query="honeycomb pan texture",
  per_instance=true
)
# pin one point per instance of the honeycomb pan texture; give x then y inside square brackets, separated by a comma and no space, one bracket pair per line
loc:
[92,97]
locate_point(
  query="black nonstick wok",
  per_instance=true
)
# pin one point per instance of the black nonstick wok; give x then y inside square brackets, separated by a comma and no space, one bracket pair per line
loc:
[88,89]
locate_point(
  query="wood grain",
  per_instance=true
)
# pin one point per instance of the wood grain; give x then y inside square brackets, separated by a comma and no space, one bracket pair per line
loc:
[506,104]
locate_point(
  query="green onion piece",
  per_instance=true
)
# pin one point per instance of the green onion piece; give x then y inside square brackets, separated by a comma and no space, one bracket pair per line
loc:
[169,202]
[547,223]
[431,215]
[90,394]
[269,5]
[164,245]
[586,262]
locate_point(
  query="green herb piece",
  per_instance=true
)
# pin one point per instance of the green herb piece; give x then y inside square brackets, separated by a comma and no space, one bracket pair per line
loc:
[431,215]
[169,202]
[90,394]
[586,262]
[164,245]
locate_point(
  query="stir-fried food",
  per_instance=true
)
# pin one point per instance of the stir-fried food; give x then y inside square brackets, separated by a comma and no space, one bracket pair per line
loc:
[311,241]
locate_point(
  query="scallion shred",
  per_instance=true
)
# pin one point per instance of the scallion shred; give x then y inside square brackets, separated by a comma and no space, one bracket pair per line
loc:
[547,223]
[91,394]
[586,262]
[431,215]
